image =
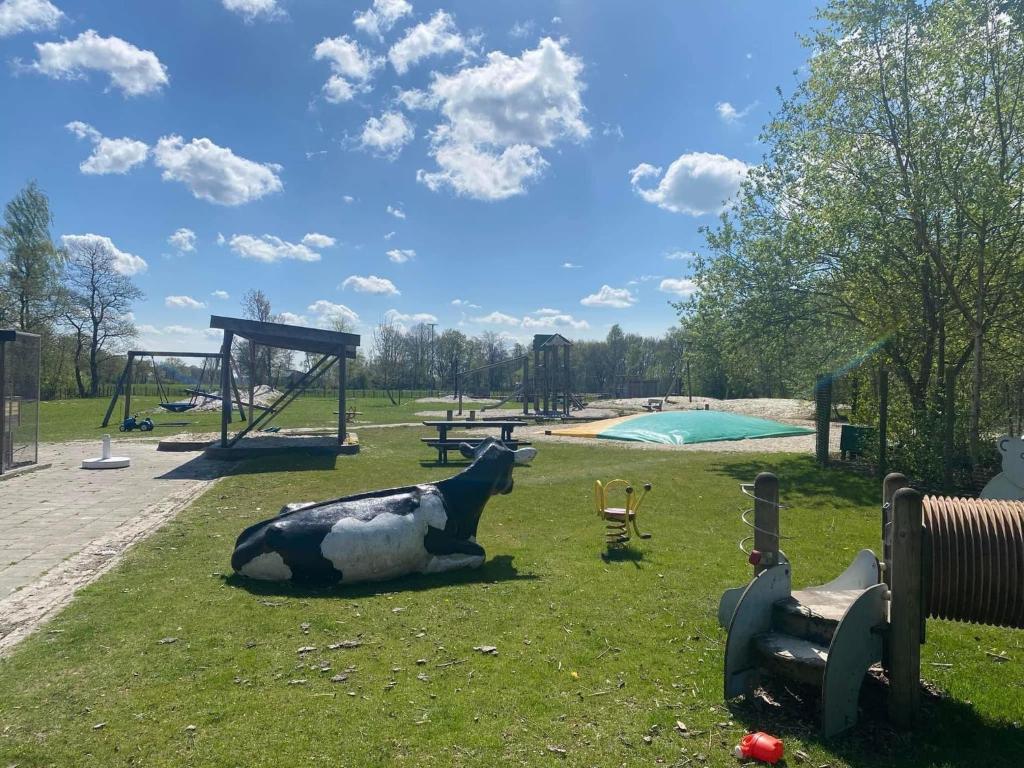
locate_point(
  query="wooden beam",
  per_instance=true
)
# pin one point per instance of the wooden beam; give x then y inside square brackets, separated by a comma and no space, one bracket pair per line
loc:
[284,336]
[225,387]
[341,399]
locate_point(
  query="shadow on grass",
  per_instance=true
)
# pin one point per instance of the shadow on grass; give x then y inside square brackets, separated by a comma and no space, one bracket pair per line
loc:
[949,732]
[800,475]
[496,569]
[201,468]
[623,555]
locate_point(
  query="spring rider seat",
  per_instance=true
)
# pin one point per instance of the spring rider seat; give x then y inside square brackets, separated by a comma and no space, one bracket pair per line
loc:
[619,519]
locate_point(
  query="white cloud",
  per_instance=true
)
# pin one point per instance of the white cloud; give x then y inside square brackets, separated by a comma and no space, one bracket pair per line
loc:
[398,213]
[464,303]
[269,249]
[679,286]
[28,16]
[571,265]
[328,313]
[250,10]
[370,284]
[401,255]
[213,173]
[560,320]
[316,240]
[108,155]
[614,298]
[730,115]
[497,318]
[414,98]
[522,29]
[183,302]
[499,115]
[222,295]
[381,17]
[401,319]
[349,62]
[547,311]
[432,38]
[612,129]
[220,238]
[389,235]
[348,199]
[124,263]
[680,255]
[337,90]
[131,69]
[183,239]
[290,318]
[696,183]
[387,134]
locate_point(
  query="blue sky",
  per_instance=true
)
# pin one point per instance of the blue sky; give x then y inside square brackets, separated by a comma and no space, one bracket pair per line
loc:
[393,156]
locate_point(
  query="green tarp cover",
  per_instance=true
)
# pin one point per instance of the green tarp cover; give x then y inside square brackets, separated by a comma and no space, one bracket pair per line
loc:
[685,427]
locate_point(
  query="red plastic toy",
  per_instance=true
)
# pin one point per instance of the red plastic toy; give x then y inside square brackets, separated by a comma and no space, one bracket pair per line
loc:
[760,746]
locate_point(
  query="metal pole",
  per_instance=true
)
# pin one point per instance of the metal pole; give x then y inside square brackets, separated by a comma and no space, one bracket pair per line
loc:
[766,520]
[823,413]
[526,385]
[689,382]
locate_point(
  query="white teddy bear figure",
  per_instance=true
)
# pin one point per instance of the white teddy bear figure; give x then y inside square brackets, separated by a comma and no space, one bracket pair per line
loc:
[1008,484]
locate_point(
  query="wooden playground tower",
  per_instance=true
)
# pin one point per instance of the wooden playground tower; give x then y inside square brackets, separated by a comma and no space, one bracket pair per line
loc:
[550,389]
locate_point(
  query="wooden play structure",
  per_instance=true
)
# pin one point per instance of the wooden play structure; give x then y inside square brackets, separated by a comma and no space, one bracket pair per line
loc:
[619,519]
[19,401]
[126,381]
[549,390]
[955,559]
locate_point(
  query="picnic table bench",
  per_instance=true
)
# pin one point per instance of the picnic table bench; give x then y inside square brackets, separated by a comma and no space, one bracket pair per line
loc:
[442,443]
[653,404]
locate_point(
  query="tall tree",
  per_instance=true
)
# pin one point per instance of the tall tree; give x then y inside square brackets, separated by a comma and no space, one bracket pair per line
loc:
[98,305]
[30,295]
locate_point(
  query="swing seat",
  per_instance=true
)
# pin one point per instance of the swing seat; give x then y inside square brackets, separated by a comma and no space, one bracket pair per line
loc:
[180,407]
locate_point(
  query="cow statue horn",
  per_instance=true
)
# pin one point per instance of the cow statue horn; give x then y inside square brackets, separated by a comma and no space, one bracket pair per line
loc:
[379,535]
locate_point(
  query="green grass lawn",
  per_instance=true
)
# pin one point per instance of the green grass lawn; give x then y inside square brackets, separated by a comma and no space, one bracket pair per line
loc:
[62,420]
[599,659]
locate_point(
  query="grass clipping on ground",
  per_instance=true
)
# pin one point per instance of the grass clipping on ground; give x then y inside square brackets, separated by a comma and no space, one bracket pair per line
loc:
[548,654]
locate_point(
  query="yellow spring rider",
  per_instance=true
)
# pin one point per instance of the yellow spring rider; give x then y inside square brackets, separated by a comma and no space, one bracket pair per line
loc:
[619,519]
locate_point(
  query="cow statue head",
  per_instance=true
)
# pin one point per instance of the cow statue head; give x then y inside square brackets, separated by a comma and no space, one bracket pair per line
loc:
[521,456]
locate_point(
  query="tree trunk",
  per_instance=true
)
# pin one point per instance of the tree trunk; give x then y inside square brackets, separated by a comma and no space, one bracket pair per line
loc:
[94,366]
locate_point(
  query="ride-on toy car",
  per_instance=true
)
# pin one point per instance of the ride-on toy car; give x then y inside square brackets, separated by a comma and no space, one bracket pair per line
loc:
[133,422]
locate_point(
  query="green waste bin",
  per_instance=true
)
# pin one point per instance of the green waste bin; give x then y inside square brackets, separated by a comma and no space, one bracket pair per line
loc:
[853,438]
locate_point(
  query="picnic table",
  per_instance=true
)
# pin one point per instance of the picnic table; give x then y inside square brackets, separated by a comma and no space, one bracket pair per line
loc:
[442,443]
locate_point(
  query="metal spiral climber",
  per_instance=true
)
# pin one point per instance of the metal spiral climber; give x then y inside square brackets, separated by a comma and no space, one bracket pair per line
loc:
[977,560]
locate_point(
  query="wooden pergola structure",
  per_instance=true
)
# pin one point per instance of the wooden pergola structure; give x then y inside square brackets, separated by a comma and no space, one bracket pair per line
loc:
[332,346]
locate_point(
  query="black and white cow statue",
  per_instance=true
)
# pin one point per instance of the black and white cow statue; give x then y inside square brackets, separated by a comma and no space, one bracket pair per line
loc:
[379,535]
[521,456]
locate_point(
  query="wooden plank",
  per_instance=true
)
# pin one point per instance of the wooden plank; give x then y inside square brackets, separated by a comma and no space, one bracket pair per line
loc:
[342,428]
[905,609]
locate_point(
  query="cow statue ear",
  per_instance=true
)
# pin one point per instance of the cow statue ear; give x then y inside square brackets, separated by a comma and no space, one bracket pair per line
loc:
[1003,441]
[467,450]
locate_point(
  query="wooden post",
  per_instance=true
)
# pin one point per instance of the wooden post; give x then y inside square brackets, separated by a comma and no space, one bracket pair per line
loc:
[892,483]
[547,380]
[252,377]
[883,420]
[568,374]
[458,387]
[117,392]
[905,609]
[3,406]
[342,416]
[526,384]
[823,414]
[766,520]
[130,372]
[536,380]
[689,382]
[225,387]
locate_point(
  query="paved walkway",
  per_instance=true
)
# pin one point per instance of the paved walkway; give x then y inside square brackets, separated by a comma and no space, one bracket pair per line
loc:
[63,526]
